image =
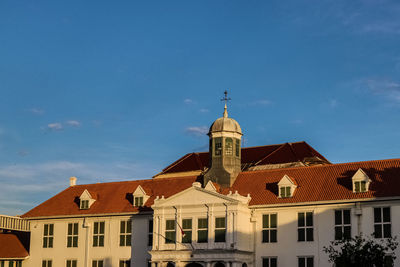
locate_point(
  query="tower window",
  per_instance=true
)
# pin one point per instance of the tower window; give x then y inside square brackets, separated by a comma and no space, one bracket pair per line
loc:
[228,146]
[237,147]
[218,146]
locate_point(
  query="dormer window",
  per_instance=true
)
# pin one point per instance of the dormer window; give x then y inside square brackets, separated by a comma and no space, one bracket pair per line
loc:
[138,201]
[286,186]
[86,200]
[84,204]
[139,197]
[285,191]
[361,181]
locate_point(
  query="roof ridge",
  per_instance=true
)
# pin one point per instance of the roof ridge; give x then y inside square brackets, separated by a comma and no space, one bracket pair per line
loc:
[321,166]
[274,151]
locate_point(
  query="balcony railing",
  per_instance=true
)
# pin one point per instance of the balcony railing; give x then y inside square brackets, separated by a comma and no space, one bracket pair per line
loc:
[14,223]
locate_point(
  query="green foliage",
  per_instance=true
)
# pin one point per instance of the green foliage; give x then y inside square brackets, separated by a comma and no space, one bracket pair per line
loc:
[360,251]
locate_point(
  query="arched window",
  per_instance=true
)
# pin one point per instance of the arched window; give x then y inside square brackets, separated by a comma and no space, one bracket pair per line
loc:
[228,146]
[219,264]
[194,264]
[170,264]
[244,265]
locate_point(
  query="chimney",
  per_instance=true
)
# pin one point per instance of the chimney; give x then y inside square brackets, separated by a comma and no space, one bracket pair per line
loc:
[72,181]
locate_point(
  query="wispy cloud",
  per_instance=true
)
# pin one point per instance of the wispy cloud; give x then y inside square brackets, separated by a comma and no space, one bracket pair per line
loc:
[333,103]
[55,126]
[197,130]
[37,111]
[73,123]
[203,110]
[383,87]
[188,101]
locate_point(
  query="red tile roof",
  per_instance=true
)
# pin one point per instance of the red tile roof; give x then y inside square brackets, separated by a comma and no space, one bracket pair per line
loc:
[113,197]
[11,247]
[251,156]
[314,183]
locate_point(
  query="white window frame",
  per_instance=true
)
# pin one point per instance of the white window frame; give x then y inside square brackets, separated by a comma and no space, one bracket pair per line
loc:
[48,238]
[47,263]
[382,224]
[72,236]
[70,263]
[100,236]
[305,227]
[269,228]
[305,261]
[97,263]
[342,225]
[269,258]
[125,233]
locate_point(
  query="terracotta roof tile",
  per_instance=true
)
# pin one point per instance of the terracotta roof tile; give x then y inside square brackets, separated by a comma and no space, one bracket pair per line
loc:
[11,247]
[314,183]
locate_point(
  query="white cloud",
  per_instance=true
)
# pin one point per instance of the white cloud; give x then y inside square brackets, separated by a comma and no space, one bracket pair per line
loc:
[203,110]
[55,126]
[73,123]
[188,101]
[37,111]
[384,87]
[197,130]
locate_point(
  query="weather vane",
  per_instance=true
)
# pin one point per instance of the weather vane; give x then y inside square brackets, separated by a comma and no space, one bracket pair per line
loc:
[226,98]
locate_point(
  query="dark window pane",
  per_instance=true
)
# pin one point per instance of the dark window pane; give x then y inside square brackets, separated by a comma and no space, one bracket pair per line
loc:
[101,241]
[101,227]
[220,235]
[387,230]
[203,223]
[265,262]
[46,229]
[377,215]
[188,237]
[96,228]
[70,228]
[309,219]
[302,262]
[282,192]
[265,221]
[219,222]
[202,236]
[346,216]
[288,189]
[128,240]
[363,186]
[170,225]
[170,237]
[301,234]
[95,241]
[129,227]
[347,232]
[338,217]
[310,262]
[273,236]
[386,214]
[378,231]
[51,229]
[187,224]
[310,234]
[357,184]
[265,236]
[338,233]
[300,219]
[150,226]
[121,240]
[273,262]
[273,220]
[122,227]
[50,242]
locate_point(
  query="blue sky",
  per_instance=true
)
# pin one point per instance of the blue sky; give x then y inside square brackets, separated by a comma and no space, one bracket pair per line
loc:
[110,91]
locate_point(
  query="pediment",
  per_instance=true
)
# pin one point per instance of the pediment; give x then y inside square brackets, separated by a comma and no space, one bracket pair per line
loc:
[139,191]
[196,195]
[360,175]
[286,181]
[86,195]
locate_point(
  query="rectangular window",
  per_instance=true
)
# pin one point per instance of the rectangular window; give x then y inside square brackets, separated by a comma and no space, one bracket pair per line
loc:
[202,230]
[342,224]
[270,262]
[170,231]
[45,263]
[97,263]
[72,263]
[218,146]
[269,232]
[72,235]
[124,263]
[84,204]
[138,201]
[98,234]
[360,186]
[228,146]
[237,147]
[48,235]
[382,223]
[187,230]
[285,191]
[11,263]
[220,229]
[125,233]
[150,235]
[305,261]
[305,230]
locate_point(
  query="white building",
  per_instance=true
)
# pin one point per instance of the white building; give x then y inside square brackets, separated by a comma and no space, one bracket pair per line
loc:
[276,205]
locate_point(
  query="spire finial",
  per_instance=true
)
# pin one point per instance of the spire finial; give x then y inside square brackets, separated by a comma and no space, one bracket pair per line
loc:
[226,99]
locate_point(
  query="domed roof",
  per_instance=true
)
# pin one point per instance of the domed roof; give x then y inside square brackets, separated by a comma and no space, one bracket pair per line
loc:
[225,124]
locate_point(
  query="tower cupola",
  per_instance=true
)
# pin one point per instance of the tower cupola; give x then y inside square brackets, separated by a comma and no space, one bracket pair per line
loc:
[225,150]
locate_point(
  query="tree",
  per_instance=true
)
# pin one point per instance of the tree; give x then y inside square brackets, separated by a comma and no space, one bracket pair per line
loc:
[360,251]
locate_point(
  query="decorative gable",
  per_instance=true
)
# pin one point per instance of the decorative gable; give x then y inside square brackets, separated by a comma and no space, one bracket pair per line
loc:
[139,197]
[360,181]
[286,186]
[86,200]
